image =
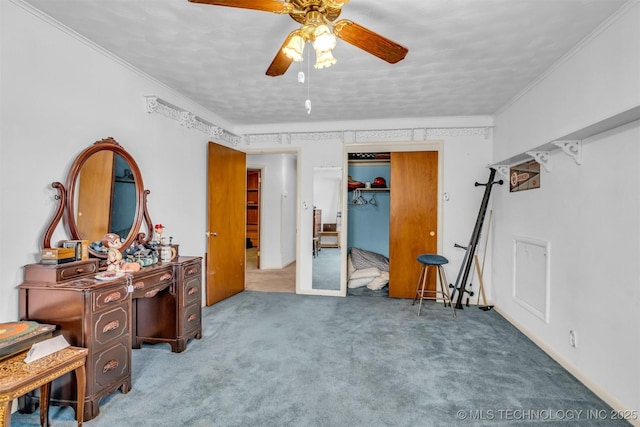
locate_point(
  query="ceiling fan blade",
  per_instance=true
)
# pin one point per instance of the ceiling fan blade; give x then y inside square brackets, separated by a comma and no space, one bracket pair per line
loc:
[275,6]
[281,62]
[369,41]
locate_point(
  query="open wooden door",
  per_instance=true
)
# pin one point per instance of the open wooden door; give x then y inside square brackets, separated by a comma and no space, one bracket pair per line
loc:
[226,199]
[413,219]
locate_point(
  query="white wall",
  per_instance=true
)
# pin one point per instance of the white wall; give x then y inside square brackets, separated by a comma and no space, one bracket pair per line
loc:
[466,155]
[59,95]
[588,213]
[289,203]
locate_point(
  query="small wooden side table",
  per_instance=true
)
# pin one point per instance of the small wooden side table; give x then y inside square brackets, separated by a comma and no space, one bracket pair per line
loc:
[332,234]
[18,378]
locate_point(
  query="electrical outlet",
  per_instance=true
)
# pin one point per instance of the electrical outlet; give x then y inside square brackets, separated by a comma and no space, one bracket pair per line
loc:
[573,339]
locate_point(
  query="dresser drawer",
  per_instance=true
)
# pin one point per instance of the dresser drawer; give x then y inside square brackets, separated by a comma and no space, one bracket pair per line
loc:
[110,365]
[109,297]
[61,272]
[192,269]
[191,318]
[192,290]
[111,325]
[149,285]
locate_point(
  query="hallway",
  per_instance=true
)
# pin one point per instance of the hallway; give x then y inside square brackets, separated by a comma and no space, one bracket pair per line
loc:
[282,280]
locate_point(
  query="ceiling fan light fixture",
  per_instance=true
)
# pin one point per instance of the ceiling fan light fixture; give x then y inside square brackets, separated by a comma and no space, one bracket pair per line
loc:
[323,40]
[294,48]
[324,59]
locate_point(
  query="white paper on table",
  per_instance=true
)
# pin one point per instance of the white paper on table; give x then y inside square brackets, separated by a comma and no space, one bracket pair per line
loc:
[45,348]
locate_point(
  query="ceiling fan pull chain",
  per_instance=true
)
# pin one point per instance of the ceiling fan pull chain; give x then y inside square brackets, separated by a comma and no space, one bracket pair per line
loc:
[307,103]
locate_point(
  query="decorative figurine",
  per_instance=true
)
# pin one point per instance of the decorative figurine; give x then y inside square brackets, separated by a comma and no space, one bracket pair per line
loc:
[114,256]
[158,237]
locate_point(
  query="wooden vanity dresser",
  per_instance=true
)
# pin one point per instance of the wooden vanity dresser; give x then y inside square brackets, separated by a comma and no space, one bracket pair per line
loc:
[159,304]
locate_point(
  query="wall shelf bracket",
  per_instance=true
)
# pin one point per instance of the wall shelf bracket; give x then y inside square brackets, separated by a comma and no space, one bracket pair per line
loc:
[542,157]
[502,170]
[572,148]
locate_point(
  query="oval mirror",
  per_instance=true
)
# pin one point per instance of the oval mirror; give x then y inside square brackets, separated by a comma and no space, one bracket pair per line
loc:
[105,194]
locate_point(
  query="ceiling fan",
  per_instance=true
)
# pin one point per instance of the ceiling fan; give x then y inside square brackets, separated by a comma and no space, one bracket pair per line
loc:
[317,18]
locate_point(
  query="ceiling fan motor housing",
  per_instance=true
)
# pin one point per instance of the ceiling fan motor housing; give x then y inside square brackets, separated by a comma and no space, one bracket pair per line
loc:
[327,10]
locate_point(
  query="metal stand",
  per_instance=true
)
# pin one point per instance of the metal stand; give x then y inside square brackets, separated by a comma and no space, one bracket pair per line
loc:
[461,285]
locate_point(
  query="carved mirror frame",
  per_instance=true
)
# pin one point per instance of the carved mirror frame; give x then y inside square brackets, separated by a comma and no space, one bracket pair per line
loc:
[67,199]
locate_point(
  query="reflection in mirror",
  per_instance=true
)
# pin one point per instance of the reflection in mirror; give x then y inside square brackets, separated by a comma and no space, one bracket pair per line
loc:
[327,202]
[104,193]
[106,196]
[123,201]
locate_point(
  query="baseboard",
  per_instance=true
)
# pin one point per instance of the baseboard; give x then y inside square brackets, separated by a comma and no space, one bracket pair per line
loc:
[599,391]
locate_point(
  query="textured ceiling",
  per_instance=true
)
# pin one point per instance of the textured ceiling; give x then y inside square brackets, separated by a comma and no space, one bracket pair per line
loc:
[466,57]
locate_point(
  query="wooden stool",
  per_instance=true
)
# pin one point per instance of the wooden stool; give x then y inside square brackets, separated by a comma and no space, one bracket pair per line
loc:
[437,261]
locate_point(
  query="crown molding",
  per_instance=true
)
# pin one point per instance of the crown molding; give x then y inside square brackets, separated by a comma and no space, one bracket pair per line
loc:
[187,119]
[367,125]
[365,136]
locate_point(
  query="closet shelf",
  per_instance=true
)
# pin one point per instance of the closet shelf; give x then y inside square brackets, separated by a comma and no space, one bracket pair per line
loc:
[368,162]
[373,189]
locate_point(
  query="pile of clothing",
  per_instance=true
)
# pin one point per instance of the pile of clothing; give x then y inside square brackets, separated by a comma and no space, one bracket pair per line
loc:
[366,268]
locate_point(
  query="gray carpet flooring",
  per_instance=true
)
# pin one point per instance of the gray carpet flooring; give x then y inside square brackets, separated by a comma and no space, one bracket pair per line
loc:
[278,359]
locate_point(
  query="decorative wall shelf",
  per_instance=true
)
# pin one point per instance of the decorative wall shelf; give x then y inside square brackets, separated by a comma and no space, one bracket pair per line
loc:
[570,144]
[156,105]
[185,118]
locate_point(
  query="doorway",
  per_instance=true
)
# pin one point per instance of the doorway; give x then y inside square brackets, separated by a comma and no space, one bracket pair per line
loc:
[414,224]
[271,262]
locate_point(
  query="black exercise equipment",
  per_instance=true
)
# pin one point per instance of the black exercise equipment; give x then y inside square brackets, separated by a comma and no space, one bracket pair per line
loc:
[461,284]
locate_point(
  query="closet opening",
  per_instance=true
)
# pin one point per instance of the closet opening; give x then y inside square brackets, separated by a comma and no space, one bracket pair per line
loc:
[392,216]
[368,212]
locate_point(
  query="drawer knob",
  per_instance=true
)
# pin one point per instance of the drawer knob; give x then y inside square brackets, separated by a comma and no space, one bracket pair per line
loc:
[166,276]
[151,293]
[191,291]
[111,326]
[114,296]
[138,285]
[110,366]
[191,318]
